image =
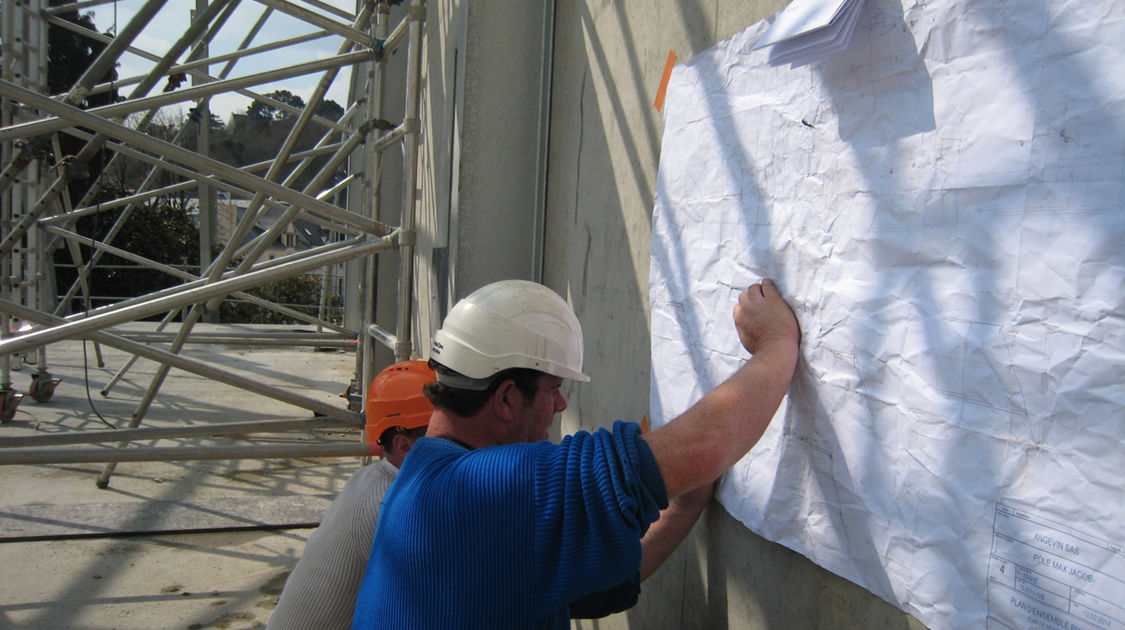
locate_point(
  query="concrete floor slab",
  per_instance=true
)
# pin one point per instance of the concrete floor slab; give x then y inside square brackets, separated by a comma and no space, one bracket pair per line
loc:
[181,544]
[42,521]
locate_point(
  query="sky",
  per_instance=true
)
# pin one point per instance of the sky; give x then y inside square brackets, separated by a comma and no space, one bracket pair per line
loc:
[173,19]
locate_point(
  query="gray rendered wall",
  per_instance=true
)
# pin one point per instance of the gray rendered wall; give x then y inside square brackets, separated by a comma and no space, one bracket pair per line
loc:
[483,153]
[482,157]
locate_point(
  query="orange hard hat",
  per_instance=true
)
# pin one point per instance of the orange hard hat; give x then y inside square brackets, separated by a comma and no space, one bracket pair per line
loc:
[395,399]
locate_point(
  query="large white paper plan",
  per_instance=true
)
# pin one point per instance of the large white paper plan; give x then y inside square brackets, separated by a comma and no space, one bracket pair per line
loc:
[942,203]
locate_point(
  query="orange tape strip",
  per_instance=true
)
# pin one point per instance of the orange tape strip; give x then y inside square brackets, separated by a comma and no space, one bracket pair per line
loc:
[659,102]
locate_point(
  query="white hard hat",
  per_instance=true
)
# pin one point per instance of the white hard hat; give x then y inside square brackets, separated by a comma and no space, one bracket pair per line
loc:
[510,324]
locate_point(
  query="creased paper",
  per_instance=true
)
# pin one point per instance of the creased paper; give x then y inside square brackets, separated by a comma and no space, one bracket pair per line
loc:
[942,205]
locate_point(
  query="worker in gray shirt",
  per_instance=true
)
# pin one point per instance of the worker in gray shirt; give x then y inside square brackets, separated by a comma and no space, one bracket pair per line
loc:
[321,591]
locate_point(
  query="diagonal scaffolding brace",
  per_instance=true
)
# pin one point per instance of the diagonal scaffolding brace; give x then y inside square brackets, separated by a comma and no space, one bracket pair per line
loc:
[315,186]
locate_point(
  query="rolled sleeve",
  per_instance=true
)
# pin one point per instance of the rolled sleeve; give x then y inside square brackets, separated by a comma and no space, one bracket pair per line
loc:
[596,495]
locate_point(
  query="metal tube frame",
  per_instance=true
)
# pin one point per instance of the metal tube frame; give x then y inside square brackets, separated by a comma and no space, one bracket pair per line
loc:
[44,211]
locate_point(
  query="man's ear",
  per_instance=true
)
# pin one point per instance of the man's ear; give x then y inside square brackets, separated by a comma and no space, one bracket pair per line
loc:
[402,443]
[506,401]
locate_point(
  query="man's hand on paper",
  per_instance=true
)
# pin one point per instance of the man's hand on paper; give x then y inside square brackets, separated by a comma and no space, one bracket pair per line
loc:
[762,317]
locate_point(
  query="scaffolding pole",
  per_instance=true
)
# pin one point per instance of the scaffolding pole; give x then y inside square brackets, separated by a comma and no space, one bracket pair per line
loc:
[37,215]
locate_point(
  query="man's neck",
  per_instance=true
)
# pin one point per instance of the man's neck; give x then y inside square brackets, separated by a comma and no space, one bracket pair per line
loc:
[470,432]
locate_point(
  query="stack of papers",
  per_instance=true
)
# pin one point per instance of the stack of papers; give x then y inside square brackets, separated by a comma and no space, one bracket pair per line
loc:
[809,30]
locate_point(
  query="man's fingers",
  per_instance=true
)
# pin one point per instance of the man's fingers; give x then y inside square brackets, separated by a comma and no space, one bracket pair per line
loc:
[764,288]
[762,314]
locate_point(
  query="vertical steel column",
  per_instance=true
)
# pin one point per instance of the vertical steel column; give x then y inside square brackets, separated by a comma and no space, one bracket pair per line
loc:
[25,64]
[412,126]
[206,195]
[376,84]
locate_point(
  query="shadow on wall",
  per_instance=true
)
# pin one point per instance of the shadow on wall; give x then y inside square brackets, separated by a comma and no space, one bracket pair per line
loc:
[743,579]
[1055,80]
[774,588]
[722,567]
[589,252]
[605,145]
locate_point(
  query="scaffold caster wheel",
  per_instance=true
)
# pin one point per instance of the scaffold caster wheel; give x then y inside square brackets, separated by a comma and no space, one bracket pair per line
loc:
[43,387]
[9,402]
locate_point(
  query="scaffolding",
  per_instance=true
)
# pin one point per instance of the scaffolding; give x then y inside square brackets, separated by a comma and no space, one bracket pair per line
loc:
[339,191]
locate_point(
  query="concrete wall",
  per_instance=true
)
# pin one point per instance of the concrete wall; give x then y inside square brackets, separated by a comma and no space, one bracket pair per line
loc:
[483,155]
[591,207]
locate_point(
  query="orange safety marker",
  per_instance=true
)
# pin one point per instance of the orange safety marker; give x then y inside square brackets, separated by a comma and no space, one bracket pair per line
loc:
[659,102]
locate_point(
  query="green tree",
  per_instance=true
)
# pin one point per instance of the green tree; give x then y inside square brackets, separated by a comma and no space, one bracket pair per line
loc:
[217,124]
[330,110]
[264,113]
[159,231]
[260,136]
[301,293]
[68,56]
[127,173]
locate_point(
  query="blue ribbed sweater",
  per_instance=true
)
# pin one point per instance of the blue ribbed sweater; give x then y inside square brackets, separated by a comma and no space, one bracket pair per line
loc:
[509,536]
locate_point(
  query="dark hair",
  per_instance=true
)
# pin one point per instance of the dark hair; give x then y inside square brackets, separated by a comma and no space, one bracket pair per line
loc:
[464,402]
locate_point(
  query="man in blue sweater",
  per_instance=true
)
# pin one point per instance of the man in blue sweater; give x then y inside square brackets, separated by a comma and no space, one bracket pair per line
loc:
[489,525]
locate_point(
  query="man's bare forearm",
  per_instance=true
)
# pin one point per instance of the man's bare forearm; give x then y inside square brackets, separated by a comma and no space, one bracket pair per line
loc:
[674,524]
[702,443]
